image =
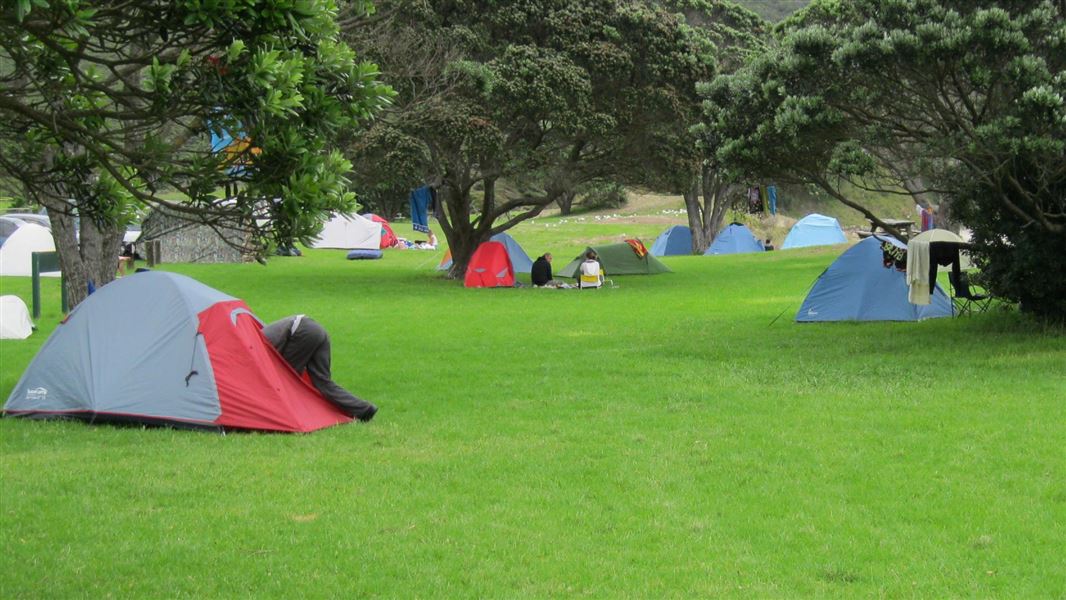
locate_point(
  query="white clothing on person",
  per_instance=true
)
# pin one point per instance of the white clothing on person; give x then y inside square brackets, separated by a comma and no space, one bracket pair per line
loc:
[591,275]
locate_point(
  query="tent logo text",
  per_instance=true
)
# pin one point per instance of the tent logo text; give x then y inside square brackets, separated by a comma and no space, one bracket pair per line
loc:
[37,393]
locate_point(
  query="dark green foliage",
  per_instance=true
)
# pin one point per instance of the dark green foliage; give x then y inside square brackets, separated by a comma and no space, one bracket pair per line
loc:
[967,96]
[108,107]
[773,10]
[545,95]
[599,196]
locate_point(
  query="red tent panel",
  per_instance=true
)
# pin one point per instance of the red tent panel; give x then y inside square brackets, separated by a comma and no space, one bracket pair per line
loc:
[388,238]
[257,389]
[490,267]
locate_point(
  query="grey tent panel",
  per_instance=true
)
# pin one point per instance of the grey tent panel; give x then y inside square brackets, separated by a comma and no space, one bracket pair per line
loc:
[132,348]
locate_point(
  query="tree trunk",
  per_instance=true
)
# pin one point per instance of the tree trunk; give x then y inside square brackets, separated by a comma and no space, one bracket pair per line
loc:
[695,217]
[463,234]
[91,256]
[716,193]
[566,202]
[705,218]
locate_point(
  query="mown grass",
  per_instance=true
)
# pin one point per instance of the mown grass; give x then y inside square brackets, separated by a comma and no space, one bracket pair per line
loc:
[659,439]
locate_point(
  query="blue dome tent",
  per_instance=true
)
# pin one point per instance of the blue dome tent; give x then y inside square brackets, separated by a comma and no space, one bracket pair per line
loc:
[859,287]
[673,242]
[735,239]
[814,230]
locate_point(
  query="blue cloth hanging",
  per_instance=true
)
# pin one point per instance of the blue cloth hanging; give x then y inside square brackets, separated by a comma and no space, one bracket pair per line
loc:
[420,202]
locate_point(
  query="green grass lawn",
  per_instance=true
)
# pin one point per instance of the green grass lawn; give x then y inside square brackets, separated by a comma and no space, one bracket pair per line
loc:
[659,439]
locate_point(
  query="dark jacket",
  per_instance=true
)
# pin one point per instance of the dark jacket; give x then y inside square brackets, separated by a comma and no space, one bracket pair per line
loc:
[305,346]
[541,272]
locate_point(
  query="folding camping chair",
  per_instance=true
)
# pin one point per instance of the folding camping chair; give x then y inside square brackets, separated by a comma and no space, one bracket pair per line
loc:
[966,300]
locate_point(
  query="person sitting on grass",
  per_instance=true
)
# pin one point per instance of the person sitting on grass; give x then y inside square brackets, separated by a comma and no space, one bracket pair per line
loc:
[541,274]
[304,344]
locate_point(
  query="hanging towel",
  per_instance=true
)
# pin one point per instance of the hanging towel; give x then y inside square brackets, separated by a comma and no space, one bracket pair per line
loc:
[918,272]
[771,194]
[420,201]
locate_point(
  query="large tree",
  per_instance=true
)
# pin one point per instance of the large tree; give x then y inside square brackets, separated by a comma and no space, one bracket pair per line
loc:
[686,162]
[971,94]
[107,107]
[546,95]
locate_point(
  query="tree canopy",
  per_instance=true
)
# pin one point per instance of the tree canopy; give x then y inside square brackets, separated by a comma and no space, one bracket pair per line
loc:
[108,106]
[683,160]
[548,95]
[969,94]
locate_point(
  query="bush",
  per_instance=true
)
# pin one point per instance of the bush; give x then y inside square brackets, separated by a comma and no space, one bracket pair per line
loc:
[599,196]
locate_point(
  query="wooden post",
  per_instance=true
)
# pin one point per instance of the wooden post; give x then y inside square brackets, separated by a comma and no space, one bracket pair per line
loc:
[45,262]
[35,273]
[153,252]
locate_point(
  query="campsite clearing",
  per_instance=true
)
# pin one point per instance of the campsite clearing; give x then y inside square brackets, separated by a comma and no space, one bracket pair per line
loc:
[659,439]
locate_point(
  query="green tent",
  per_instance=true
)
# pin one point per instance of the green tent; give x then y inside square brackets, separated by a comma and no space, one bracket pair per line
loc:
[618,259]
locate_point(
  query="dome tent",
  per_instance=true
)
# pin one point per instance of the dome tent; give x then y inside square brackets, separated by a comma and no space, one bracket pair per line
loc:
[490,266]
[859,287]
[676,241]
[349,232]
[162,348]
[520,261]
[617,259]
[735,239]
[16,253]
[814,230]
[15,323]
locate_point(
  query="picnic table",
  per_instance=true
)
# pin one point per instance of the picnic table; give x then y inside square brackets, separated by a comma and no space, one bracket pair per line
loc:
[904,226]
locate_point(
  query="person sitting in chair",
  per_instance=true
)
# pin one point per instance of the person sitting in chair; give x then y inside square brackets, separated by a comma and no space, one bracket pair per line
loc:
[304,344]
[590,273]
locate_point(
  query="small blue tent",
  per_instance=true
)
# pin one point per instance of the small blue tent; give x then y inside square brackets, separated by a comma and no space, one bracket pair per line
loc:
[735,239]
[814,230]
[519,259]
[858,287]
[673,242]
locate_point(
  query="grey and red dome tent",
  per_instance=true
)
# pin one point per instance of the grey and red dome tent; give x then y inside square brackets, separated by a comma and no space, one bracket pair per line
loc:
[162,348]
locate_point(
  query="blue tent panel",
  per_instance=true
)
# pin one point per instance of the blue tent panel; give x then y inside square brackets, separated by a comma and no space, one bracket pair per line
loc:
[814,230]
[221,141]
[519,259]
[673,242]
[858,287]
[735,239]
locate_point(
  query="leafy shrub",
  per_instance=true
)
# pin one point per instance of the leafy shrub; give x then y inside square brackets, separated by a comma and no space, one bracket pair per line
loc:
[606,195]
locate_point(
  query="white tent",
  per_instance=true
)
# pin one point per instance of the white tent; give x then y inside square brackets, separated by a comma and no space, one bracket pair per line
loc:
[36,219]
[349,232]
[15,323]
[15,253]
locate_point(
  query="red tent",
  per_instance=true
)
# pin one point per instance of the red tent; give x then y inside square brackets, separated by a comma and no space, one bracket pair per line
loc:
[388,238]
[490,267]
[162,348]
